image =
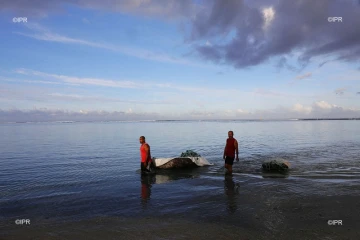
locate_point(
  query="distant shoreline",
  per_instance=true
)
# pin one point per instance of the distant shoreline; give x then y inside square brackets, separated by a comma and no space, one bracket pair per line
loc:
[198,120]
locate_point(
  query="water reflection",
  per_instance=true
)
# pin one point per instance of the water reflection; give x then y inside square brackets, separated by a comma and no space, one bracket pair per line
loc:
[274,174]
[231,191]
[146,183]
[169,175]
[160,177]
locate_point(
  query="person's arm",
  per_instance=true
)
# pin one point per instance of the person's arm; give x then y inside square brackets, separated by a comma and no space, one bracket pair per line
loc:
[237,150]
[224,152]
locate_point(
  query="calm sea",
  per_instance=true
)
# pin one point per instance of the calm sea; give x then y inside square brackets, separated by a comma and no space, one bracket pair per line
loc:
[80,170]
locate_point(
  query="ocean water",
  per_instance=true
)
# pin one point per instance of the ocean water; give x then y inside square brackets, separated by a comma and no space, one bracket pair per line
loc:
[79,170]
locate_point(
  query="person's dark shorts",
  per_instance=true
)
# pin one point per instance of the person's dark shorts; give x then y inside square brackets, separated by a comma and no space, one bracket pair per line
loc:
[144,169]
[229,160]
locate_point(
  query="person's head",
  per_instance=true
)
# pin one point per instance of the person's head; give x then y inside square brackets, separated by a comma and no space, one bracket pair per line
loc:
[231,134]
[142,139]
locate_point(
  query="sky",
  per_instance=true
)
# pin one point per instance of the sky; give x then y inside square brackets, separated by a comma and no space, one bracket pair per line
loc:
[175,60]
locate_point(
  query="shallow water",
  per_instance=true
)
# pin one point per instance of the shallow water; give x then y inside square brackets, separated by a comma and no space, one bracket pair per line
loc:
[79,170]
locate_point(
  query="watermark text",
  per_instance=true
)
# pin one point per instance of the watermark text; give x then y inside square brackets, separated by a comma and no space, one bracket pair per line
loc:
[335,222]
[19,19]
[22,221]
[335,19]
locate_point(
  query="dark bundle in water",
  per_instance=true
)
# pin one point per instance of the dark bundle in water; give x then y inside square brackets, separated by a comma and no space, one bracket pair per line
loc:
[278,165]
[190,153]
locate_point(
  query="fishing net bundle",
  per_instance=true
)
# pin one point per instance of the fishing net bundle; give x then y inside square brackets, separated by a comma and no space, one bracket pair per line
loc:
[190,153]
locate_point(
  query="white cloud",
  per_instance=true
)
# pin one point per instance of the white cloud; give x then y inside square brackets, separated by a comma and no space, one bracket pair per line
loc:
[268,15]
[170,9]
[43,34]
[323,105]
[264,92]
[340,91]
[319,109]
[240,111]
[306,75]
[49,78]
[78,80]
[299,108]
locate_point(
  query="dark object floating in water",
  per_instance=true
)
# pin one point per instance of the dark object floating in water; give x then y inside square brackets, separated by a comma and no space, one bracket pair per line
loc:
[189,159]
[276,165]
[190,153]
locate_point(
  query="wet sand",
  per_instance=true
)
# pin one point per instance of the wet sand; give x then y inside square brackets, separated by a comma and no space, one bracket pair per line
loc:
[262,214]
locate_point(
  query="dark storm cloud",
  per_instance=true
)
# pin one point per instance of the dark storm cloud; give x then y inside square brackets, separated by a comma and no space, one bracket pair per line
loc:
[297,26]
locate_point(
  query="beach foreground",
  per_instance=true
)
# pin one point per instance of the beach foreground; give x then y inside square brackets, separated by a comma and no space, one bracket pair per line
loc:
[267,213]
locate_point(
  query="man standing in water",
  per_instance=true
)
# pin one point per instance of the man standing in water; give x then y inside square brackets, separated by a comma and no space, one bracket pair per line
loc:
[146,162]
[231,148]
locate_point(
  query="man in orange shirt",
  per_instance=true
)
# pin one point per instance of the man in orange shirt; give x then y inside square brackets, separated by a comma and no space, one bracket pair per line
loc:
[230,149]
[146,162]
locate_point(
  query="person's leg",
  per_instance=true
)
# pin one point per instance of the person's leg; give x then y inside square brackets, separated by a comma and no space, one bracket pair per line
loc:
[152,166]
[143,168]
[230,169]
[229,162]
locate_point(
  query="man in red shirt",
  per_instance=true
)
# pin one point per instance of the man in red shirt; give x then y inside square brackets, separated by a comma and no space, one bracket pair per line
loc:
[145,155]
[231,148]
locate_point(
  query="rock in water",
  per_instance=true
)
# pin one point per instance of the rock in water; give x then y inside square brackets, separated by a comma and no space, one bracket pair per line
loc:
[278,165]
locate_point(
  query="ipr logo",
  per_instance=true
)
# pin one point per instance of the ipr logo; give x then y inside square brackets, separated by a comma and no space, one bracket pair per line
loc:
[334,19]
[19,19]
[335,222]
[22,221]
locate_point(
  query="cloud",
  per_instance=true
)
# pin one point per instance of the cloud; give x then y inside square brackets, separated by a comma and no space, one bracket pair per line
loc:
[340,91]
[306,75]
[358,93]
[242,33]
[80,81]
[45,115]
[283,63]
[202,114]
[268,14]
[277,29]
[301,109]
[170,9]
[320,109]
[99,99]
[323,105]
[73,80]
[264,92]
[43,34]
